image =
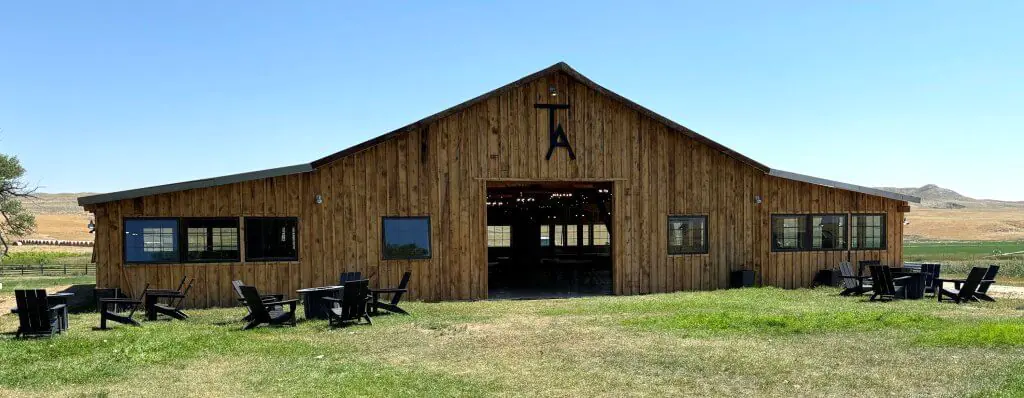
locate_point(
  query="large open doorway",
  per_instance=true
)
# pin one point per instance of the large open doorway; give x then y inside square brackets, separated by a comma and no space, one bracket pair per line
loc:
[549,239]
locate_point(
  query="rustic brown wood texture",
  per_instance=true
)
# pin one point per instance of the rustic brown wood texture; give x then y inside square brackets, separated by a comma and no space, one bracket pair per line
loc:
[441,170]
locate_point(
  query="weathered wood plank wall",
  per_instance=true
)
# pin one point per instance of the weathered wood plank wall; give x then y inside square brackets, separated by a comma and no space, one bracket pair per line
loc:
[441,170]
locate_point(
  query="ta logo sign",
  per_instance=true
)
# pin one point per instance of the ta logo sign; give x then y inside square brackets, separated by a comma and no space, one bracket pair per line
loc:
[556,133]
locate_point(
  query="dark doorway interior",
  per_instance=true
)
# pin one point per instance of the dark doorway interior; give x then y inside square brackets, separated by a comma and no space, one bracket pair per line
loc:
[549,240]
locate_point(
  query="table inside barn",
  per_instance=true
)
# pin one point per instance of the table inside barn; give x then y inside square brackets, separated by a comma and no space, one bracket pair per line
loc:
[313,300]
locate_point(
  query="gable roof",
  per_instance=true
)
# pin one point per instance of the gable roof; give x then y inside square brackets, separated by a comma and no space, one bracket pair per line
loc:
[559,67]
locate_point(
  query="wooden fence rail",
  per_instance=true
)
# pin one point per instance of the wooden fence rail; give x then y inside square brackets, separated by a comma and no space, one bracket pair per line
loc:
[48,269]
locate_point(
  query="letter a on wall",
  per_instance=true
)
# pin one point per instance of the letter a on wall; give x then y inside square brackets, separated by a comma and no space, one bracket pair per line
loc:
[555,132]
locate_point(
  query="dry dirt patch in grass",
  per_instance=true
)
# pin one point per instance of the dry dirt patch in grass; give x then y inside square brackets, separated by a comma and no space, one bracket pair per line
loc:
[1007,292]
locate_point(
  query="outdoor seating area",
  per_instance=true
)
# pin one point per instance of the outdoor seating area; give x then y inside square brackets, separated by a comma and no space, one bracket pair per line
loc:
[916,281]
[351,302]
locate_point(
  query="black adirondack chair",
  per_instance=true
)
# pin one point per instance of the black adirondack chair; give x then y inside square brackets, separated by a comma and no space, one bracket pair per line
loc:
[349,276]
[266,311]
[120,310]
[396,292]
[853,284]
[352,305]
[990,278]
[35,314]
[173,308]
[930,272]
[884,286]
[965,288]
[182,283]
[236,284]
[263,297]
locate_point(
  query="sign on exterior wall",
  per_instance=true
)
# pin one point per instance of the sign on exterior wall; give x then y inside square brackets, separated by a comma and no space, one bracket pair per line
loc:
[556,133]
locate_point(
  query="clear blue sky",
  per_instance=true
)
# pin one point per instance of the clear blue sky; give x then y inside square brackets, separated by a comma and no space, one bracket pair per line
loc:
[110,95]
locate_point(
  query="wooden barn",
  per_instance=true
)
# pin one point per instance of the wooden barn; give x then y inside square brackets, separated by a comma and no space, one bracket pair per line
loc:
[549,186]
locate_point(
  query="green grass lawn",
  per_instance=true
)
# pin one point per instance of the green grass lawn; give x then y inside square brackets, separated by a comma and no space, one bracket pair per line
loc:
[957,257]
[962,250]
[41,282]
[753,342]
[34,257]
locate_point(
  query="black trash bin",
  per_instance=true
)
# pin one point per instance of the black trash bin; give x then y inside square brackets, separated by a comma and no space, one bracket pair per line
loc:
[741,278]
[826,277]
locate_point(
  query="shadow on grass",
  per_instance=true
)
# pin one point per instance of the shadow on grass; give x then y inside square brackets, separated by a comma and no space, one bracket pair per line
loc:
[84,299]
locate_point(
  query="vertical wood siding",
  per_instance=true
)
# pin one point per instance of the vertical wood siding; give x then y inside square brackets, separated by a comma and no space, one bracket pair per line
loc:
[656,172]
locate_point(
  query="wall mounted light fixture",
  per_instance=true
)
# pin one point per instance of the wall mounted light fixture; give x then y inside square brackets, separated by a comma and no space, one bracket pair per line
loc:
[757,199]
[319,199]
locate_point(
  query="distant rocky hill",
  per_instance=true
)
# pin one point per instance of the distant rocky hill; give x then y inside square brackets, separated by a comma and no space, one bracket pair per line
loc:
[936,197]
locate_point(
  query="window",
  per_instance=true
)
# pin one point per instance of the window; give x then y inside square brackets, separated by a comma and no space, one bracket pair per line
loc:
[789,233]
[271,239]
[687,234]
[828,232]
[570,236]
[559,235]
[586,235]
[545,235]
[151,241]
[211,239]
[499,236]
[601,235]
[867,231]
[406,238]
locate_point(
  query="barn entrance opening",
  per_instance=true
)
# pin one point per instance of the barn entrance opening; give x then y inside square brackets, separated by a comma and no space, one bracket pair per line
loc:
[549,240]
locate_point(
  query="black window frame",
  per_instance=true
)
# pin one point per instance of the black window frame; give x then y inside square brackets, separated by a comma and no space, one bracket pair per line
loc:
[383,238]
[805,241]
[884,225]
[265,259]
[810,232]
[124,246]
[706,234]
[183,227]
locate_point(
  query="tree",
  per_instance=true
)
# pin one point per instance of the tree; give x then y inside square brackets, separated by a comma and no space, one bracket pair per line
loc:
[14,219]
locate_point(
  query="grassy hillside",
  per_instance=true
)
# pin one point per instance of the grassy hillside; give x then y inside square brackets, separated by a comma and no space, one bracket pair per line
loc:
[58,216]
